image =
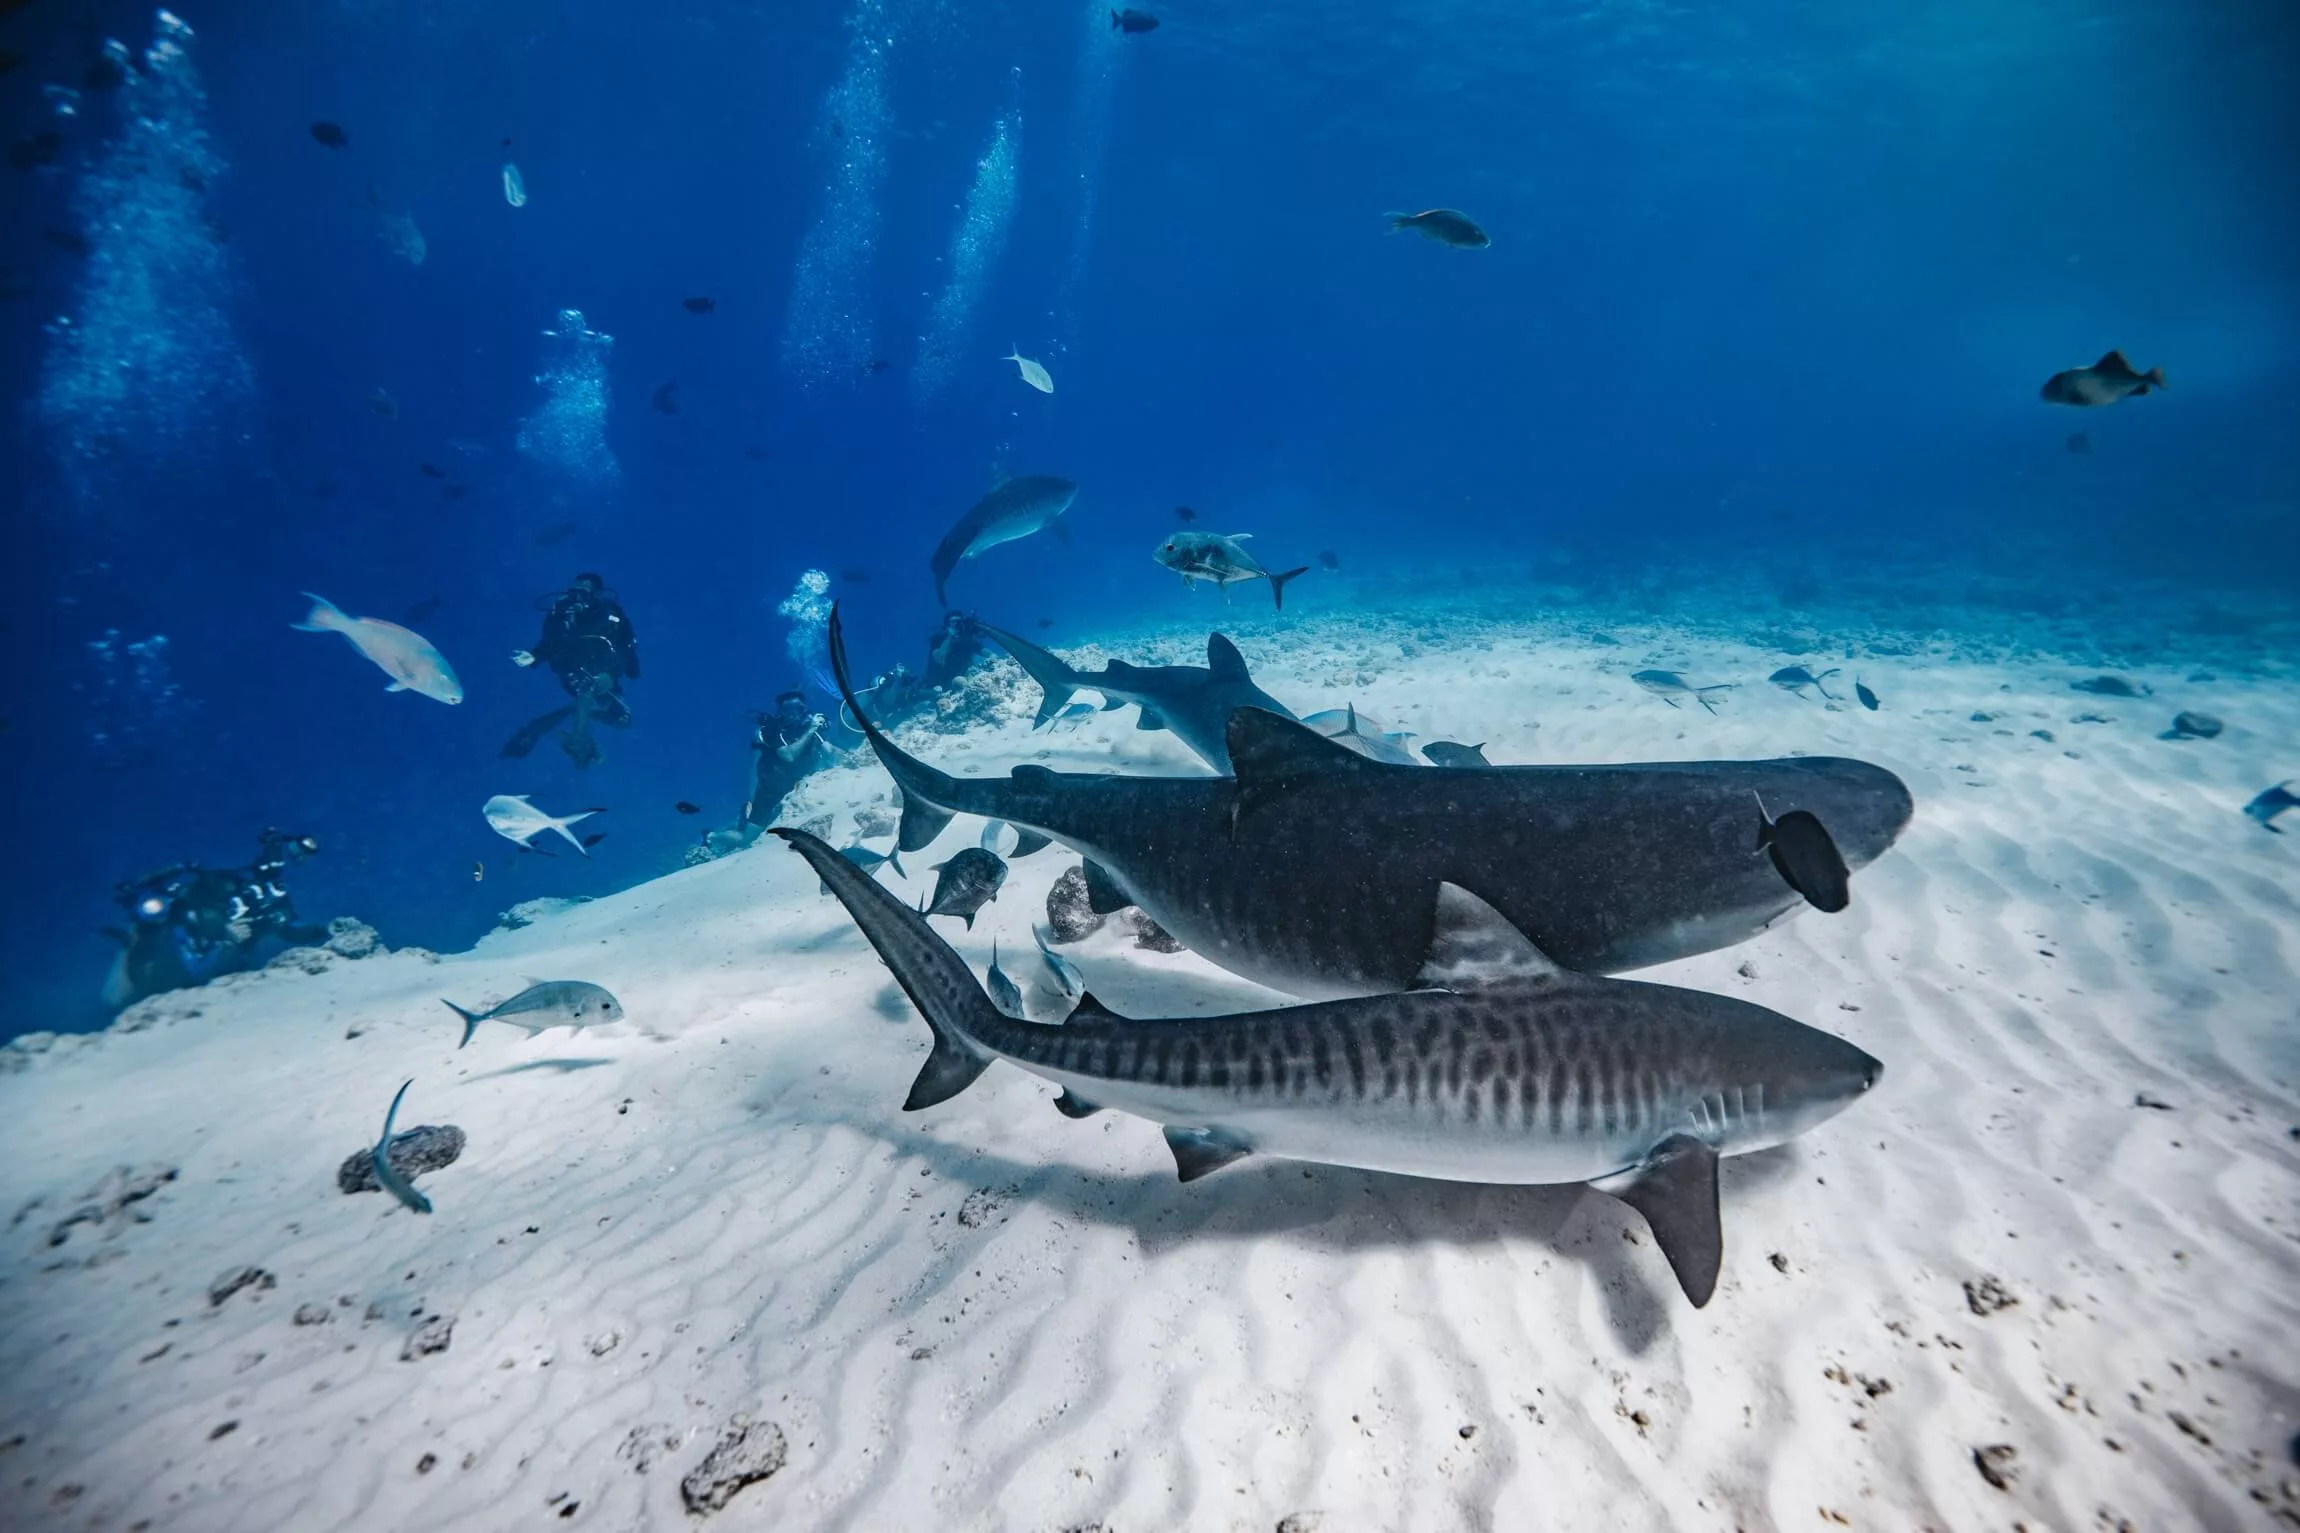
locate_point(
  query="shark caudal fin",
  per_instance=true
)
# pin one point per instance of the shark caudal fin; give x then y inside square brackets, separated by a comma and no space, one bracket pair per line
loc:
[471,1019]
[1056,677]
[1278,585]
[925,791]
[935,978]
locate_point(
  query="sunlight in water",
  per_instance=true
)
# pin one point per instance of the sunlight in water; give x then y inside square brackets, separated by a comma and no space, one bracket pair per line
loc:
[146,365]
[827,331]
[975,247]
[570,432]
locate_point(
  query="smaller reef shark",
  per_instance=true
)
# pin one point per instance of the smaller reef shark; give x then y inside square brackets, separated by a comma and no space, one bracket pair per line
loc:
[1499,1067]
[1195,702]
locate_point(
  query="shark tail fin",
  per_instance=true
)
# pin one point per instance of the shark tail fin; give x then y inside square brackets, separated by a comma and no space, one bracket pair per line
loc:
[936,979]
[1056,677]
[471,1019]
[1278,584]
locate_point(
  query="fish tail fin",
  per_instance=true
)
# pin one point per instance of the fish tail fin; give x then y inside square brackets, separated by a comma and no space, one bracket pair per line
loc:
[1278,584]
[1056,677]
[1114,24]
[929,797]
[326,617]
[956,1007]
[471,1019]
[2155,377]
[1400,221]
[894,861]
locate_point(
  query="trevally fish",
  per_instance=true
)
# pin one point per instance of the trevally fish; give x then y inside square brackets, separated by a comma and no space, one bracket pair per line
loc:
[1669,686]
[2104,383]
[1033,373]
[1016,509]
[1499,1067]
[1004,994]
[968,882]
[1444,225]
[515,819]
[2268,803]
[1795,679]
[1221,560]
[407,657]
[1195,702]
[544,1005]
[514,184]
[1450,753]
[1608,867]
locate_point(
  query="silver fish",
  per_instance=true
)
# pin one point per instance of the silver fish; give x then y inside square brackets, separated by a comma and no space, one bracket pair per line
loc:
[386,1178]
[1502,1068]
[1669,686]
[1004,994]
[1221,560]
[545,1004]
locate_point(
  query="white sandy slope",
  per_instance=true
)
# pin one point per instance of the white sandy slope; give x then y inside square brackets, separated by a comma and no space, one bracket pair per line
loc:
[985,1316]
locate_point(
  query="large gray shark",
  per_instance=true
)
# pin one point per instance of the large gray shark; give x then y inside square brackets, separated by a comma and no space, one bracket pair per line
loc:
[1314,870]
[1016,509]
[1501,1067]
[1193,701]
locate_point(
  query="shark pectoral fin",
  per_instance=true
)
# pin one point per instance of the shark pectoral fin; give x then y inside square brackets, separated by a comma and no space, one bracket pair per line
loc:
[1675,1188]
[921,823]
[1071,1105]
[1200,1151]
[1149,719]
[1028,841]
[1473,945]
[1102,892]
[949,1070]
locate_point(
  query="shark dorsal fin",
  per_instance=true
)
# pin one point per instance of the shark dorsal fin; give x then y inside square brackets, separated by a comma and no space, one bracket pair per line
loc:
[1268,749]
[1474,945]
[1089,1009]
[1223,659]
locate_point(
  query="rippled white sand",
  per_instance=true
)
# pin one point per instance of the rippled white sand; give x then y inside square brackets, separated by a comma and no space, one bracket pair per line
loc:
[985,1316]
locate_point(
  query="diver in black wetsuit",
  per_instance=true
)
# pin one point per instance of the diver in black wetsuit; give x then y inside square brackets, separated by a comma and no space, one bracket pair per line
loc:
[954,647]
[190,924]
[588,643]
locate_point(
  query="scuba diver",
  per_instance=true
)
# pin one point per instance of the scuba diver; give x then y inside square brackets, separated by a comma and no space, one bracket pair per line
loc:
[955,646]
[190,924]
[786,746]
[950,650]
[589,645]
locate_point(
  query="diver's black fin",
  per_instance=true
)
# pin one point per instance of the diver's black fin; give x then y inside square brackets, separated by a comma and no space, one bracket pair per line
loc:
[532,732]
[1675,1188]
[1102,892]
[1201,1151]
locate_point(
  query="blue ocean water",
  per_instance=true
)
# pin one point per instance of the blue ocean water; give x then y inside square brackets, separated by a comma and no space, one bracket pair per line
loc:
[1770,294]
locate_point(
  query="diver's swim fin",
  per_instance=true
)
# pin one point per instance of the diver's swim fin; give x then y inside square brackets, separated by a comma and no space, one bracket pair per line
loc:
[532,732]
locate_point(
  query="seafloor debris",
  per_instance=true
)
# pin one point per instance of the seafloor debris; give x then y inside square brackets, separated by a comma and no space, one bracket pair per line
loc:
[238,1278]
[430,1337]
[1985,1296]
[109,1205]
[1149,934]
[426,1147]
[348,937]
[747,1451]
[1996,1464]
[1066,910]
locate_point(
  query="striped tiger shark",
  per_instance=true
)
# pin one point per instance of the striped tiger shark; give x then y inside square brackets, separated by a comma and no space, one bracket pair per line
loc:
[1500,1067]
[1194,701]
[1315,871]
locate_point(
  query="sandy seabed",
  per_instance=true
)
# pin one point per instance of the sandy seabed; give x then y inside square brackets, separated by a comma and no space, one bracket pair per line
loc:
[2048,1275]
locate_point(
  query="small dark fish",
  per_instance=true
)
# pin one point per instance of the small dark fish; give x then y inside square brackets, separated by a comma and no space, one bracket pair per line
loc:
[968,882]
[1444,225]
[1046,622]
[1446,753]
[1133,22]
[431,471]
[665,400]
[454,491]
[424,609]
[700,305]
[331,134]
[2104,383]
[598,836]
[2268,803]
[855,575]
[38,150]
[1805,857]
[1795,678]
[2108,686]
[1328,559]
[551,535]
[1185,513]
[876,365]
[2081,444]
[686,808]
[1867,697]
[2193,726]
[384,405]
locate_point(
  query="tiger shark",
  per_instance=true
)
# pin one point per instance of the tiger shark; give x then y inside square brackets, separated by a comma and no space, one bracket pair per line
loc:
[1499,1067]
[1193,701]
[1315,871]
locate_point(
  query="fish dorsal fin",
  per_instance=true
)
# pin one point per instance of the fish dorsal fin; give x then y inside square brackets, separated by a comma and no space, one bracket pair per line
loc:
[1223,659]
[1675,1188]
[1474,945]
[1089,1009]
[2114,365]
[1268,749]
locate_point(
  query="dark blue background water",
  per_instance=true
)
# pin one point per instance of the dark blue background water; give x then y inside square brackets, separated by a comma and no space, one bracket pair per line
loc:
[1748,260]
